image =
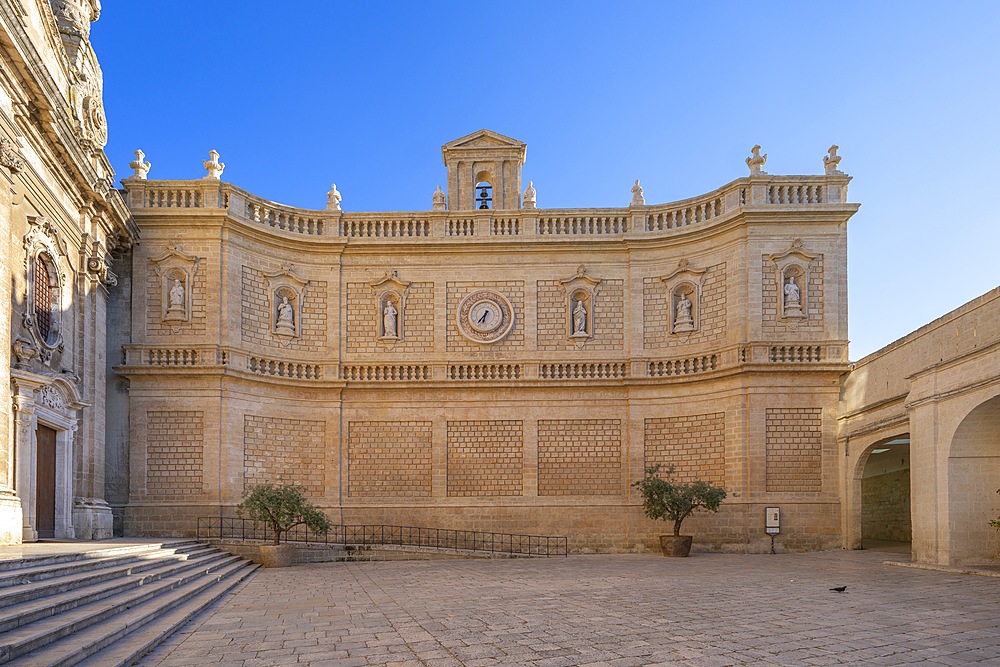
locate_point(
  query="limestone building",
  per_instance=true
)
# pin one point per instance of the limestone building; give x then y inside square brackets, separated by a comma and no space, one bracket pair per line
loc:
[60,219]
[483,364]
[487,364]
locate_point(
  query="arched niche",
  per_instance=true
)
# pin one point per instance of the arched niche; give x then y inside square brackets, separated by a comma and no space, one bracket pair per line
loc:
[176,270]
[580,293]
[286,291]
[792,269]
[684,298]
[390,307]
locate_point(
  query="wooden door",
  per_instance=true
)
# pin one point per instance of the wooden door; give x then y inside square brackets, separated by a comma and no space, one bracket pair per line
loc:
[45,482]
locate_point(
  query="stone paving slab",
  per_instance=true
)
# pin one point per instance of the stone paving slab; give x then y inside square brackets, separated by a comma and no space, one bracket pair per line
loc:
[599,611]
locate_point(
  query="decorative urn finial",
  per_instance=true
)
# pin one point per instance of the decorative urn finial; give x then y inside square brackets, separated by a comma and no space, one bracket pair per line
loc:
[756,162]
[213,166]
[139,166]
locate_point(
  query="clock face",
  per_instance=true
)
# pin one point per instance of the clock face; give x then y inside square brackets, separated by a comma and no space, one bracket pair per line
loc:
[485,316]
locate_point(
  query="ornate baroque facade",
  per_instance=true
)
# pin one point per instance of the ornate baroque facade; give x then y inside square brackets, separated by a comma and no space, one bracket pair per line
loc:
[60,220]
[486,364]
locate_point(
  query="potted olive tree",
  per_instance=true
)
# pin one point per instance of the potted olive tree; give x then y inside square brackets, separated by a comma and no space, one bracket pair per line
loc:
[666,500]
[282,508]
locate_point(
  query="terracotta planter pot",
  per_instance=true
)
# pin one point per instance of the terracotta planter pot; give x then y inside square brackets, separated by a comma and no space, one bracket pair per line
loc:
[676,546]
[281,555]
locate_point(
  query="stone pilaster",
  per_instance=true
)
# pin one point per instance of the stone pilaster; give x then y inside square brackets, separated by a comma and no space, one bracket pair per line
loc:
[10,505]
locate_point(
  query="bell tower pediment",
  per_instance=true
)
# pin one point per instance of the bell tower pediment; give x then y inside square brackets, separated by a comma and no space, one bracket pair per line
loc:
[484,171]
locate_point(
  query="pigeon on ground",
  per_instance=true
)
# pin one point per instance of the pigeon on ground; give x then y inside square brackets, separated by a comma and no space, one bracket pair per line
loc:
[839,589]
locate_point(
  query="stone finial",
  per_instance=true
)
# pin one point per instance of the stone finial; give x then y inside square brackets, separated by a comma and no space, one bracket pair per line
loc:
[333,198]
[756,162]
[139,166]
[213,166]
[831,161]
[438,200]
[637,198]
[529,195]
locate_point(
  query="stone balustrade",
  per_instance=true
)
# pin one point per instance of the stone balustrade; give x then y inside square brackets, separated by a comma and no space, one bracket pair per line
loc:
[635,221]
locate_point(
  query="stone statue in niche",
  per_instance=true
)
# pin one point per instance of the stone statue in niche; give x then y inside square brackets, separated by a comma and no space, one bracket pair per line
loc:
[637,197]
[285,323]
[389,322]
[580,319]
[793,302]
[682,314]
[175,298]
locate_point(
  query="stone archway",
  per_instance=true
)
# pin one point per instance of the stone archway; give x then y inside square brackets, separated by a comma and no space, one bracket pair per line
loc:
[973,480]
[884,476]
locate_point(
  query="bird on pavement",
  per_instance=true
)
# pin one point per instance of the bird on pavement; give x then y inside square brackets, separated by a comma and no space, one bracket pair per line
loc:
[839,589]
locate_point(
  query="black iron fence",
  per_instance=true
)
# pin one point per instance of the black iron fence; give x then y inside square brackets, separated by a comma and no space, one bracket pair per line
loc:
[231,528]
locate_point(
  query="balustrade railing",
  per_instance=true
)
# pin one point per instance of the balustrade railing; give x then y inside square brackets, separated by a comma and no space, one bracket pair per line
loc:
[284,369]
[582,371]
[484,372]
[795,353]
[511,544]
[386,373]
[687,366]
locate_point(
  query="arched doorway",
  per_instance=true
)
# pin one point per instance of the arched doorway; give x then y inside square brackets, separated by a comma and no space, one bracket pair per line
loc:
[973,479]
[885,495]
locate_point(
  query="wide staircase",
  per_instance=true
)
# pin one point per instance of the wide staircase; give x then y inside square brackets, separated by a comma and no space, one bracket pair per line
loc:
[107,607]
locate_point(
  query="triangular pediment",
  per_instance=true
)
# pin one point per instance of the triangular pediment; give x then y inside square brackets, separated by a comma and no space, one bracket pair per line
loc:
[484,139]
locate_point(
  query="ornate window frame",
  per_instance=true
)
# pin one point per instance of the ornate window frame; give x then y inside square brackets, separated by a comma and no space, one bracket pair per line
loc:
[390,289]
[43,247]
[685,280]
[797,262]
[173,265]
[285,284]
[580,287]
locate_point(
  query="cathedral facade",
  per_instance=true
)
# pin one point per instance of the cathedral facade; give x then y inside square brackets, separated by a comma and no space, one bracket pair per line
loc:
[484,364]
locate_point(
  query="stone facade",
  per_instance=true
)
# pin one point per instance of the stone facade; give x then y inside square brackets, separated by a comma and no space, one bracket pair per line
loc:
[61,224]
[487,365]
[483,365]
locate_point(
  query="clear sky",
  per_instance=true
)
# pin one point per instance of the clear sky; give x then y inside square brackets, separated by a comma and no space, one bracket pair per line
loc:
[298,95]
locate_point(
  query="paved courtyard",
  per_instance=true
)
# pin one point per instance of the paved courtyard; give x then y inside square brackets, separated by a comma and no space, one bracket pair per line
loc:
[620,610]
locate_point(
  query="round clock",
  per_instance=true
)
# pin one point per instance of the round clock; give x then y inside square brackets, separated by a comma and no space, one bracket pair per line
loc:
[485,316]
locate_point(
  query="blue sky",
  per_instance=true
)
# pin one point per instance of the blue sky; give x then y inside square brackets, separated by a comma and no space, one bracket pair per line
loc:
[673,93]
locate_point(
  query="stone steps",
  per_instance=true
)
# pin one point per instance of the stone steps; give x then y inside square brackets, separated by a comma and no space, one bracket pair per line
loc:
[114,610]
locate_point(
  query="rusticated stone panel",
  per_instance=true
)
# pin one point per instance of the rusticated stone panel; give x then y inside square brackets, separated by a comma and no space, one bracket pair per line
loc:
[580,457]
[512,342]
[694,445]
[389,459]
[175,444]
[196,326]
[257,317]
[485,458]
[772,296]
[794,449]
[608,318]
[284,451]
[711,319]
[417,320]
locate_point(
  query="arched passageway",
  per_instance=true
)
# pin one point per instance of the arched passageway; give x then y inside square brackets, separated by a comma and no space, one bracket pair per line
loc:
[973,480]
[885,494]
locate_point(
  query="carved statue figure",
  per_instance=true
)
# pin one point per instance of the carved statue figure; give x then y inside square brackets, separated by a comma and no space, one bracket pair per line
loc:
[580,318]
[637,198]
[439,201]
[333,198]
[831,161]
[756,161]
[682,315]
[213,166]
[286,316]
[176,296]
[529,195]
[791,293]
[389,320]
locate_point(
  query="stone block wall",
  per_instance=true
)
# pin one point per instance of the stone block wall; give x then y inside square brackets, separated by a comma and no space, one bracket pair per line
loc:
[417,321]
[794,442]
[657,315]
[885,506]
[175,458]
[581,457]
[285,451]
[485,458]
[693,445]
[390,459]
[257,318]
[608,313]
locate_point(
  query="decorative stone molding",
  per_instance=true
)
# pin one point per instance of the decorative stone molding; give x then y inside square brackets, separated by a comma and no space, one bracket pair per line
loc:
[99,267]
[10,157]
[684,300]
[286,290]
[485,316]
[580,293]
[792,268]
[44,256]
[390,306]
[176,270]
